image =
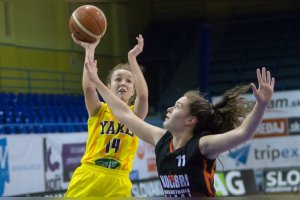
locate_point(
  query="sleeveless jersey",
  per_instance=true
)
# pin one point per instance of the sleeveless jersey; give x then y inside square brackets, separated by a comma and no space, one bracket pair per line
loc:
[184,172]
[110,144]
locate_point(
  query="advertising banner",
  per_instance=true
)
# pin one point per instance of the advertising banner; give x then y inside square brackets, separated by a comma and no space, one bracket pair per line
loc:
[62,156]
[294,125]
[282,180]
[21,165]
[282,117]
[147,188]
[235,183]
[262,153]
[272,128]
[282,105]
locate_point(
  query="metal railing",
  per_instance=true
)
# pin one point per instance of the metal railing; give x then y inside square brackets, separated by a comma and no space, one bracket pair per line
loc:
[39,81]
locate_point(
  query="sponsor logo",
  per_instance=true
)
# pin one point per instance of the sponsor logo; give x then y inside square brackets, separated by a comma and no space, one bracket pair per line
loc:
[273,154]
[176,185]
[51,165]
[175,181]
[278,103]
[108,163]
[240,155]
[53,175]
[53,181]
[4,169]
[147,188]
[294,126]
[71,156]
[54,184]
[232,183]
[271,128]
[281,105]
[268,153]
[282,180]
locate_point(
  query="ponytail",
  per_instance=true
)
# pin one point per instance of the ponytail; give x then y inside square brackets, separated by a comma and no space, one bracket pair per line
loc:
[221,117]
[230,110]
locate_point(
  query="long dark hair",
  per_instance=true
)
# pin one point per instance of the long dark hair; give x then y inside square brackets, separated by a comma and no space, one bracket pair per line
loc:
[224,116]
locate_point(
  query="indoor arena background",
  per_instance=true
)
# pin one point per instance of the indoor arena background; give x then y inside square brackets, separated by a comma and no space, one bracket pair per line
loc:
[212,45]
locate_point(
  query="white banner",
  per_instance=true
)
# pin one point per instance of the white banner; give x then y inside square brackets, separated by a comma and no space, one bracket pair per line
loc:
[62,155]
[262,153]
[39,163]
[22,167]
[283,104]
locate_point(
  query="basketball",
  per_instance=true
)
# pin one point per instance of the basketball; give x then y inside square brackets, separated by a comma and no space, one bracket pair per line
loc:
[88,23]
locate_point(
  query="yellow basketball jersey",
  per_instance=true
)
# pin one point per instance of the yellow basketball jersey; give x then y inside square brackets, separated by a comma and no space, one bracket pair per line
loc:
[110,144]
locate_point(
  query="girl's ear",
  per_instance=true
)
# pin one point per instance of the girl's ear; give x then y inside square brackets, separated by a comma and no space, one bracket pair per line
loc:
[108,86]
[191,120]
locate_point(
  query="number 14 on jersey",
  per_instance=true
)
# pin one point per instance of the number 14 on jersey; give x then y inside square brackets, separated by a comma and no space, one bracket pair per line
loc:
[113,144]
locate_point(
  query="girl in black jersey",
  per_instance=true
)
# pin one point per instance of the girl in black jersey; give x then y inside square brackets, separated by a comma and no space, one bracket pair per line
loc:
[195,133]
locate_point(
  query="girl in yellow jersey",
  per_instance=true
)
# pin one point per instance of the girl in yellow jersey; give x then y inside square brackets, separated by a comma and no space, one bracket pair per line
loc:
[110,147]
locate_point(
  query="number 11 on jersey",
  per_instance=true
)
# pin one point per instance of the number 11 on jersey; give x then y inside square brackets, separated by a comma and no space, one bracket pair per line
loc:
[181,160]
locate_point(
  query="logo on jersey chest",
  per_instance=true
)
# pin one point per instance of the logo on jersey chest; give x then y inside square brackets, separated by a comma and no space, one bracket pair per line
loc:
[112,127]
[175,181]
[108,163]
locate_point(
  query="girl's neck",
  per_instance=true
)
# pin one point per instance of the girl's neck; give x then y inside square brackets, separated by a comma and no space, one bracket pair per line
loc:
[181,139]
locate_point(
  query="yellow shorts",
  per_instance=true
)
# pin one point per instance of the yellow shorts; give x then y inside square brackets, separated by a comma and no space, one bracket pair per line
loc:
[96,181]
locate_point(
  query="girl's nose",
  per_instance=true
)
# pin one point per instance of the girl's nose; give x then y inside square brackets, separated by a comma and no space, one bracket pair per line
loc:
[123,82]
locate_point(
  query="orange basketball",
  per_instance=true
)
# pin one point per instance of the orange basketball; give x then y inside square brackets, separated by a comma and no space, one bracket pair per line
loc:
[88,23]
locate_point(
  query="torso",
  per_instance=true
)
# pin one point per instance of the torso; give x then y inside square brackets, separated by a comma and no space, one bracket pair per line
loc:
[110,144]
[184,172]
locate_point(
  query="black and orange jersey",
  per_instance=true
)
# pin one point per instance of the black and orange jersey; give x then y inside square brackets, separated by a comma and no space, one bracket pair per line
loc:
[184,172]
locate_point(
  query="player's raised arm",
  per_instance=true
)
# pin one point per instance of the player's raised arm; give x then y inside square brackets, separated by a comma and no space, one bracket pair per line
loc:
[213,145]
[143,130]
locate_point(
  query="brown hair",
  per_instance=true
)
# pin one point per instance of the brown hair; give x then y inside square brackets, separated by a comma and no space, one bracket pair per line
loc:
[224,115]
[127,67]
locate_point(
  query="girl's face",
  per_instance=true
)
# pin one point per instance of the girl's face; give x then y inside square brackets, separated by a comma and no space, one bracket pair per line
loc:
[177,116]
[122,84]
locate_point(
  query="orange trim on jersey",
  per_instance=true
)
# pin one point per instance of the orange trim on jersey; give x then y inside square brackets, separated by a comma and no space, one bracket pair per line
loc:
[171,146]
[209,177]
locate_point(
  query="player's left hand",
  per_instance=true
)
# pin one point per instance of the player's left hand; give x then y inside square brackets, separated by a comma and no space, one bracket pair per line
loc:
[265,89]
[137,49]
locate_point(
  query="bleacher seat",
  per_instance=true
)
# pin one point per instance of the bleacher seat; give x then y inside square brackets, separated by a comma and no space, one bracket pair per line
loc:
[41,113]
